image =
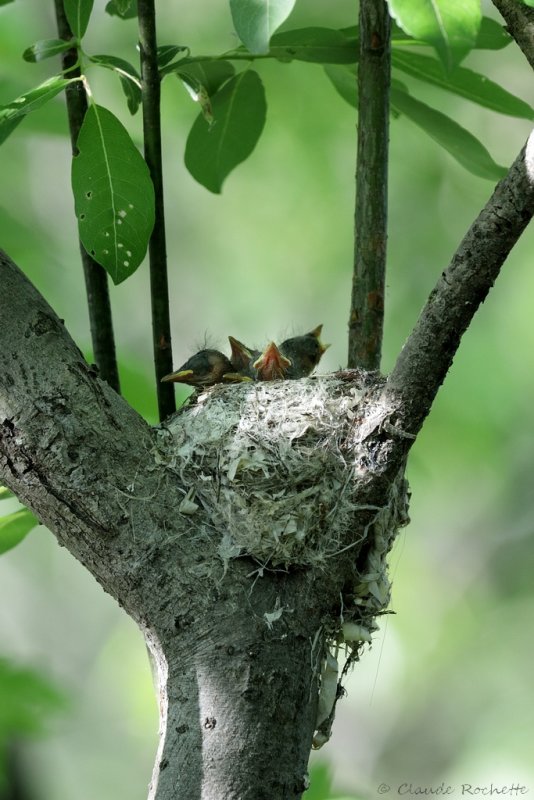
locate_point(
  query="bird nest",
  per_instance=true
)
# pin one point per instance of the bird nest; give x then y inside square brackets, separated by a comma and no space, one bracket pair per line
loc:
[269,470]
[279,471]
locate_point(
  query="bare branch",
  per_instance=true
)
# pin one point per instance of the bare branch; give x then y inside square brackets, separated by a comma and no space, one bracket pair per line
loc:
[96,279]
[367,303]
[429,351]
[159,288]
[520,22]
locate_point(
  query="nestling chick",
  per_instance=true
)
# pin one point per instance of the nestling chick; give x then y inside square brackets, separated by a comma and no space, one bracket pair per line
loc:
[271,364]
[242,360]
[205,368]
[304,353]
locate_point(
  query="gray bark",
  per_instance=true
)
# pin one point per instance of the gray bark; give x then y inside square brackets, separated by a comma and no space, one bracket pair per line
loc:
[248,535]
[520,22]
[178,524]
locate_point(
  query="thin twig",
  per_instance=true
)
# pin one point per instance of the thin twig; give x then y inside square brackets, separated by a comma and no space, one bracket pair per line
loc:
[428,353]
[520,23]
[159,288]
[96,279]
[367,303]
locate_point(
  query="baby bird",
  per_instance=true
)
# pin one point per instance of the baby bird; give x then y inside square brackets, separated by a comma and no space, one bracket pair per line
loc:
[242,360]
[303,352]
[271,364]
[205,368]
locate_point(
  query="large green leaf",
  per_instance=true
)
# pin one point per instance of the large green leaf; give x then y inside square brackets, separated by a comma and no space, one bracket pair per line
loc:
[12,113]
[461,144]
[113,193]
[46,48]
[318,45]
[14,527]
[255,21]
[345,82]
[78,13]
[128,75]
[213,150]
[464,82]
[450,26]
[492,35]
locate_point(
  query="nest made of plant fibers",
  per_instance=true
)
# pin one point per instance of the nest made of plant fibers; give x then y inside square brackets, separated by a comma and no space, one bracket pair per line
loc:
[267,466]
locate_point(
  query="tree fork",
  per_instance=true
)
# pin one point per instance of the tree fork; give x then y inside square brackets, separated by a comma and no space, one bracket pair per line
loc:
[188,557]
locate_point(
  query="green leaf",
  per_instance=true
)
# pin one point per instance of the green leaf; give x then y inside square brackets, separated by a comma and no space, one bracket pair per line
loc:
[239,109]
[492,35]
[450,26]
[345,82]
[46,49]
[463,82]
[255,21]
[317,45]
[5,493]
[7,125]
[125,9]
[529,3]
[14,527]
[129,78]
[113,194]
[12,113]
[78,13]
[461,144]
[210,75]
[203,79]
[5,2]
[167,52]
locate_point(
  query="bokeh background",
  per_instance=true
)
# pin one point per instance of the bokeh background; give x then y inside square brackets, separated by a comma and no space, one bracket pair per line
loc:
[446,693]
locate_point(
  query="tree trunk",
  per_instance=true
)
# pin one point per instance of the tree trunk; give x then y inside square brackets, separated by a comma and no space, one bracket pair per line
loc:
[248,534]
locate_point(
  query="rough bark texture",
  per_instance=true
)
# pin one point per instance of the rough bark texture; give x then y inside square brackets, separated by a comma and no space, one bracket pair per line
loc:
[520,22]
[239,641]
[248,535]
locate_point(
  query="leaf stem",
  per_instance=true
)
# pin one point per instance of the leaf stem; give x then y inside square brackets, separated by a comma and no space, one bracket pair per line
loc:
[159,288]
[96,280]
[367,302]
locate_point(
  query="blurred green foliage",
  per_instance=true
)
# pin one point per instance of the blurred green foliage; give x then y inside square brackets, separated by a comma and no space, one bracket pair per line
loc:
[446,691]
[27,700]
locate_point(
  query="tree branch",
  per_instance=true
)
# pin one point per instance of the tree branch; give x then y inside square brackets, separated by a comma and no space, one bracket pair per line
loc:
[429,351]
[367,303]
[69,445]
[240,578]
[520,22]
[96,279]
[159,289]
